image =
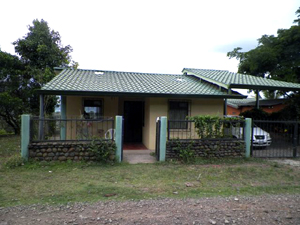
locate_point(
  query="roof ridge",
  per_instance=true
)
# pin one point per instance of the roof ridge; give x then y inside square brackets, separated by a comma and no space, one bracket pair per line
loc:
[114,71]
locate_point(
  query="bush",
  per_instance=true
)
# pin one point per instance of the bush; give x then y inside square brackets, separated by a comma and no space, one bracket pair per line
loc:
[104,150]
[256,114]
[185,153]
[14,161]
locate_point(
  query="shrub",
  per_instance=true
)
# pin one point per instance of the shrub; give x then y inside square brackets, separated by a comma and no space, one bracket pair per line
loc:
[14,161]
[104,150]
[185,153]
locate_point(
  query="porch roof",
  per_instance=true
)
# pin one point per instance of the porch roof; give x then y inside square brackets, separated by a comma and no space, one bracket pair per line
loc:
[99,82]
[230,80]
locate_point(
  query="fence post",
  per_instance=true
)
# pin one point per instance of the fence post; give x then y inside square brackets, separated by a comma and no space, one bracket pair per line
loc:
[63,122]
[25,135]
[295,141]
[118,138]
[163,138]
[248,136]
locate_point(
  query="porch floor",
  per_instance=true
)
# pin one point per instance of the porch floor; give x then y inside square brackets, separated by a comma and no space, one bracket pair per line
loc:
[134,146]
[138,156]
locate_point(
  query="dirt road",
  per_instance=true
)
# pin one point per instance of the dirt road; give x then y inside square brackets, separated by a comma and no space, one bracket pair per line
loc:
[269,209]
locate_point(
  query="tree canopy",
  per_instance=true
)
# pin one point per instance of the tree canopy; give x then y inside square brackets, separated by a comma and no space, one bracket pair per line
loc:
[38,52]
[276,57]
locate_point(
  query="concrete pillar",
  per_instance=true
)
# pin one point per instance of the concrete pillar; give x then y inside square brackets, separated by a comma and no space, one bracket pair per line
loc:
[163,138]
[248,136]
[118,137]
[41,122]
[25,136]
[63,113]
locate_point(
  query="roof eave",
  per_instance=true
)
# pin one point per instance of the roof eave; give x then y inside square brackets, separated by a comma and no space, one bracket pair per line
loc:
[134,94]
[263,87]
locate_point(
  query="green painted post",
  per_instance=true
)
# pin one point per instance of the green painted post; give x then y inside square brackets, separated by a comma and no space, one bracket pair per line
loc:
[248,135]
[118,137]
[25,135]
[163,138]
[63,111]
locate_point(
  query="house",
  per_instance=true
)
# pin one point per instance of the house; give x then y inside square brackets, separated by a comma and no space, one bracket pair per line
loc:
[139,97]
[142,97]
[237,106]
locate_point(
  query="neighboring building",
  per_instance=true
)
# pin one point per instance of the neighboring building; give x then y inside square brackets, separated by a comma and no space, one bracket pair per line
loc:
[237,106]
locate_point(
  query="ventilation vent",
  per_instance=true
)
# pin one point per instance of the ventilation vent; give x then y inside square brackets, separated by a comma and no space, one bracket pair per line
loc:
[99,73]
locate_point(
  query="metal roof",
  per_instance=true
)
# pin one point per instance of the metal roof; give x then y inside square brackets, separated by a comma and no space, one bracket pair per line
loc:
[99,82]
[230,80]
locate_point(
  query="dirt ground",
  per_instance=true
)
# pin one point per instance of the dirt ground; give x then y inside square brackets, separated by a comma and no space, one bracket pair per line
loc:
[268,209]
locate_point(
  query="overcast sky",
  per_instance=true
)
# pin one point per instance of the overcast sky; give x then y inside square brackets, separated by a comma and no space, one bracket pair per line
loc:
[150,36]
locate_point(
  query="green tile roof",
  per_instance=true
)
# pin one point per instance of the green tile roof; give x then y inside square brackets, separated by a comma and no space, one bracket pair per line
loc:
[96,82]
[228,79]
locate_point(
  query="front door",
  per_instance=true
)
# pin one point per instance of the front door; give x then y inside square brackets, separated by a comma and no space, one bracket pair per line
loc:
[133,121]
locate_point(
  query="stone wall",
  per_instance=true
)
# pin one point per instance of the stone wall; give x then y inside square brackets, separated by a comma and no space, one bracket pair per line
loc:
[214,148]
[60,151]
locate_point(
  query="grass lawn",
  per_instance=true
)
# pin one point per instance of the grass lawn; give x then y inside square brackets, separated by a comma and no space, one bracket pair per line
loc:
[56,183]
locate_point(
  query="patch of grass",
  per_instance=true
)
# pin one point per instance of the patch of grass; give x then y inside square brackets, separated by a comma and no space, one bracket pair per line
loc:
[9,146]
[56,183]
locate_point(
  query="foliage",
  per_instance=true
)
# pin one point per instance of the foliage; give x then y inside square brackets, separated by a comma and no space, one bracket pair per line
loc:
[39,52]
[104,150]
[275,57]
[185,153]
[14,161]
[212,126]
[257,114]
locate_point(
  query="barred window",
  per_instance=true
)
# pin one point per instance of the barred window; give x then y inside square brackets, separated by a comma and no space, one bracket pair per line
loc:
[178,111]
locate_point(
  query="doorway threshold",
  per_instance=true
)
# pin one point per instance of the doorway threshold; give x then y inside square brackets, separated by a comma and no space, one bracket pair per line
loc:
[134,146]
[138,156]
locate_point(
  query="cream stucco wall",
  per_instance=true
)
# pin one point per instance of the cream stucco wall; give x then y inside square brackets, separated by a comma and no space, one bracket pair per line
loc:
[154,107]
[75,129]
[159,107]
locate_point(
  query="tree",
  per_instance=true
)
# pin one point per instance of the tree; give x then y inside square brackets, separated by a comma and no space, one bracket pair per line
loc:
[274,57]
[12,88]
[39,51]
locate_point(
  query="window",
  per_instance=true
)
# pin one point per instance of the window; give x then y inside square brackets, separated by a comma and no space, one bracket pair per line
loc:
[92,109]
[178,110]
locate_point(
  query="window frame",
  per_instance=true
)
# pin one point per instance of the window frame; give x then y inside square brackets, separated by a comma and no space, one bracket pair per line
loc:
[101,114]
[182,125]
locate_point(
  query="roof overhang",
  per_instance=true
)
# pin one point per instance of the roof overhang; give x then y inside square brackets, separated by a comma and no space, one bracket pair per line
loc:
[262,87]
[133,94]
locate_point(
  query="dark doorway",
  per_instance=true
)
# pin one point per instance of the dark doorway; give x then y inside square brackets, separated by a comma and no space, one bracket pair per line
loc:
[133,121]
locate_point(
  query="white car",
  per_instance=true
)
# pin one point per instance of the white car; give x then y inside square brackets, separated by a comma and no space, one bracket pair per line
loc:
[260,138]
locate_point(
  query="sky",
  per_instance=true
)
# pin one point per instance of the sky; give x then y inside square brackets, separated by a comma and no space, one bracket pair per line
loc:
[150,36]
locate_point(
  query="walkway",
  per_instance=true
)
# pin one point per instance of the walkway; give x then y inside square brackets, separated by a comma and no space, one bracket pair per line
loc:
[138,156]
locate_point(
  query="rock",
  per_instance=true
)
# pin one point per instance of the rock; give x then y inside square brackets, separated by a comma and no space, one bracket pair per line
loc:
[62,158]
[188,184]
[212,221]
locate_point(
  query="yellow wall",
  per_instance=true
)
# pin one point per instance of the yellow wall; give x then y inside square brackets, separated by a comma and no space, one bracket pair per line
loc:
[154,107]
[80,129]
[159,107]
[213,107]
